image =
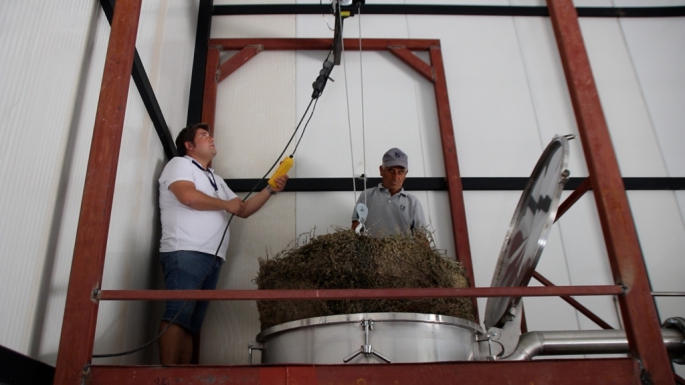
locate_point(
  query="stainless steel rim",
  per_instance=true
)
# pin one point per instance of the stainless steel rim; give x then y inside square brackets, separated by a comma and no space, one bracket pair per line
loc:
[376,317]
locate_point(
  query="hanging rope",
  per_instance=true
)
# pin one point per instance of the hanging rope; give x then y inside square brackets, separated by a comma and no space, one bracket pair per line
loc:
[361,81]
[349,120]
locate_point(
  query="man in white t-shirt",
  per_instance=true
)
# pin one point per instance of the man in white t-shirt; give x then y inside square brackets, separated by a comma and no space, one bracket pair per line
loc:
[195,206]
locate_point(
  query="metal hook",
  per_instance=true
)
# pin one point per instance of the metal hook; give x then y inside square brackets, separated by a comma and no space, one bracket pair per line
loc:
[362,213]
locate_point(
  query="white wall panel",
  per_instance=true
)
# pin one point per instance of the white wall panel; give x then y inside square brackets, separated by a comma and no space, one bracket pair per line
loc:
[435,205]
[622,102]
[661,232]
[390,117]
[73,179]
[255,116]
[680,198]
[492,109]
[38,118]
[488,214]
[74,36]
[658,63]
[587,258]
[383,109]
[553,313]
[662,237]
[253,26]
[551,100]
[324,211]
[173,72]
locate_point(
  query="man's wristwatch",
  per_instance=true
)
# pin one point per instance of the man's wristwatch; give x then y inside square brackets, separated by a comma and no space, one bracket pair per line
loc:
[270,190]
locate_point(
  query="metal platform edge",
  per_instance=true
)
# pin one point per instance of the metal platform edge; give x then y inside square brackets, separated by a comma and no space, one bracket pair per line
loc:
[607,371]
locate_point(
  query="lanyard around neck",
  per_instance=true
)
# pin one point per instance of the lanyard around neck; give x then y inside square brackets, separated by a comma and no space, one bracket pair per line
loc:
[212,180]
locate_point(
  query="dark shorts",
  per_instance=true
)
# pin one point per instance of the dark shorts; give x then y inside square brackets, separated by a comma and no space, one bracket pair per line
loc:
[189,270]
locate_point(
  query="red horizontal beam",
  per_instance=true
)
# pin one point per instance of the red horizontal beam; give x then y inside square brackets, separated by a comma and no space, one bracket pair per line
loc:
[617,371]
[323,44]
[242,295]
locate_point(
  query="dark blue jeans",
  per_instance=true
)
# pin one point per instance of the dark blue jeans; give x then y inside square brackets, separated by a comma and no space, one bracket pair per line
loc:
[189,270]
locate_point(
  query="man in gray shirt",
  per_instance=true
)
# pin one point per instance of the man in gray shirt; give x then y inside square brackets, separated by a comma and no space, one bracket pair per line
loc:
[390,209]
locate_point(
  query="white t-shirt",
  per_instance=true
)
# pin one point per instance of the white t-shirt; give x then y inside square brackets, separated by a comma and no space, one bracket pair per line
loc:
[184,228]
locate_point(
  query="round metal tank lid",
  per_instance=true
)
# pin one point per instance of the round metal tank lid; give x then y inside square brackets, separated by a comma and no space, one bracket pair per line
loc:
[529,228]
[376,317]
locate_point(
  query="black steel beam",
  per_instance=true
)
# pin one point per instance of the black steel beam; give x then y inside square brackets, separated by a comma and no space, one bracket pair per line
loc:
[439,184]
[146,92]
[197,80]
[471,10]
[16,368]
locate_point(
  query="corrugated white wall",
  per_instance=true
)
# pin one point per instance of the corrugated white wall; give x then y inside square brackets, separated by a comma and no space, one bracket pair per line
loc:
[508,98]
[50,74]
[42,77]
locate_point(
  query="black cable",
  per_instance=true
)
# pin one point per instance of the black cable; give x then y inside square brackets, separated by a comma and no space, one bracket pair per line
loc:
[277,160]
[305,126]
[223,236]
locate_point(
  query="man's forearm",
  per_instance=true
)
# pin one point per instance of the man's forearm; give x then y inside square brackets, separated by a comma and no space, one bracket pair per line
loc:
[255,203]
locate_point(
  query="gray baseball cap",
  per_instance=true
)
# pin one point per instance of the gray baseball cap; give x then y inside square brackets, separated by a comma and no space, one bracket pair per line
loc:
[395,157]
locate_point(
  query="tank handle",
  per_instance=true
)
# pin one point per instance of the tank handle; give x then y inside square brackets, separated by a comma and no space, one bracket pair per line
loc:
[250,348]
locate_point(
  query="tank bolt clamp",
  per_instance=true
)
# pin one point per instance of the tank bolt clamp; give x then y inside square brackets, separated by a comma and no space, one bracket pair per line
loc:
[366,349]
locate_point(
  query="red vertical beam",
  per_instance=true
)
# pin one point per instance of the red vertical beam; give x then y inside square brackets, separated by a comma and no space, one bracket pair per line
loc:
[208,116]
[625,257]
[454,186]
[80,313]
[209,99]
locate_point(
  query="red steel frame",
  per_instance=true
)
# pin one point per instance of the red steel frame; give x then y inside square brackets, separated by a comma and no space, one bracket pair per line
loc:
[80,313]
[638,311]
[402,49]
[625,257]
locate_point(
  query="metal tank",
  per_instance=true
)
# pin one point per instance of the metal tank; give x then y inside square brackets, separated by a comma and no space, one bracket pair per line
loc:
[411,337]
[370,338]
